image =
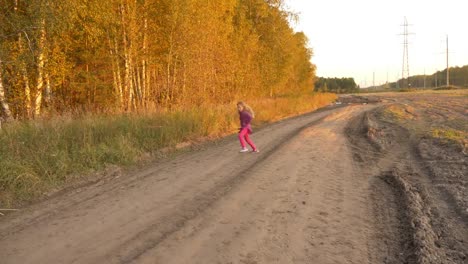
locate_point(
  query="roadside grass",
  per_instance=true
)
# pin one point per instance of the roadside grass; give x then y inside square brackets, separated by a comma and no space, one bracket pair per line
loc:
[451,136]
[43,155]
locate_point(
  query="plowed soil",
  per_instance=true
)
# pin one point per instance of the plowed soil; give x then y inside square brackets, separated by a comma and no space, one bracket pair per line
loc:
[352,183]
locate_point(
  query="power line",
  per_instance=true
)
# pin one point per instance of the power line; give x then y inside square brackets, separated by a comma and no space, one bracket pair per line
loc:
[446,52]
[405,72]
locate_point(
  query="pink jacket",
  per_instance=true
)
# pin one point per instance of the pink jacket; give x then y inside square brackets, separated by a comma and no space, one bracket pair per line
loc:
[245,119]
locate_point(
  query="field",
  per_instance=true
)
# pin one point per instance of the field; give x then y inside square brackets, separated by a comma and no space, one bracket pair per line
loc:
[373,178]
[417,146]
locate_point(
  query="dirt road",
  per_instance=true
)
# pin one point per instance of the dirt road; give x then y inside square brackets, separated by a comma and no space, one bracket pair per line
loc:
[302,199]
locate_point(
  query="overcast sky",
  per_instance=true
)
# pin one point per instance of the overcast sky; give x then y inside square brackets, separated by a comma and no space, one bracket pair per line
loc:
[357,38]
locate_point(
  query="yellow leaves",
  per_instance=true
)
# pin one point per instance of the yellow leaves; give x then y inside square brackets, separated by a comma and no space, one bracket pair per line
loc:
[126,55]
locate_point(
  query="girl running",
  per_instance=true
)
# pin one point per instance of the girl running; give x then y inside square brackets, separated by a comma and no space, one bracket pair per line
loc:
[246,115]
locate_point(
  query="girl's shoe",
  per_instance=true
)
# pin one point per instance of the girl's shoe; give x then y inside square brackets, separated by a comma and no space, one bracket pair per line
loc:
[256,150]
[244,150]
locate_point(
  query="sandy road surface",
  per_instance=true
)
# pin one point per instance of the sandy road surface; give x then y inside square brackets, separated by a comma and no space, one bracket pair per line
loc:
[301,199]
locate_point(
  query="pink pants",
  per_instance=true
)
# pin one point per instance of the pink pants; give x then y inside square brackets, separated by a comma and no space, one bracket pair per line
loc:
[244,134]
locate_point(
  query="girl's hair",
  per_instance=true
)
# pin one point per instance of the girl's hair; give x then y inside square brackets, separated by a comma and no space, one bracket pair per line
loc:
[247,108]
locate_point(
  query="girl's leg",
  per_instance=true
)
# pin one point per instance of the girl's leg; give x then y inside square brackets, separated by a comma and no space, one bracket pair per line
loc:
[241,135]
[247,138]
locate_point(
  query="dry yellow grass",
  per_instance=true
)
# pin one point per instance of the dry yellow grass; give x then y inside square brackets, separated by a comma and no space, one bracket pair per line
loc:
[400,112]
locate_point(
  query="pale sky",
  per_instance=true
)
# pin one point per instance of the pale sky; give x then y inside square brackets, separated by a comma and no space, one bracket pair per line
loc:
[355,38]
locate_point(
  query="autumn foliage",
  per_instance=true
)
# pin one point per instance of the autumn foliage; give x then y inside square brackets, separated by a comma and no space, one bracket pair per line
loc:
[90,84]
[59,56]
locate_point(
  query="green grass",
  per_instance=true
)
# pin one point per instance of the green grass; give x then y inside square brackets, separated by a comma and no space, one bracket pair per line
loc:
[38,156]
[450,134]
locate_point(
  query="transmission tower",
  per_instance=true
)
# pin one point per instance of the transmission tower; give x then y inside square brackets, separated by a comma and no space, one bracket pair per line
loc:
[405,73]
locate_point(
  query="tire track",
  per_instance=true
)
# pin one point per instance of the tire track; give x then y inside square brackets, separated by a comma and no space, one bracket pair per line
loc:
[291,209]
[148,238]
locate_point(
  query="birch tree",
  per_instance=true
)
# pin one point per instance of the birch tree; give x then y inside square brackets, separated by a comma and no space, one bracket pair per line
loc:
[40,69]
[3,102]
[22,65]
[126,55]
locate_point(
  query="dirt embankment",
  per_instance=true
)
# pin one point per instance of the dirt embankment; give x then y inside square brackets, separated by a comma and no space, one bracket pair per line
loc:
[426,175]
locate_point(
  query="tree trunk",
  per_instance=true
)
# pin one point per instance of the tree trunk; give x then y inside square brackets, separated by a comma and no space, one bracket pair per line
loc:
[27,87]
[144,84]
[40,70]
[128,84]
[184,82]
[23,71]
[170,60]
[48,90]
[168,69]
[3,102]
[114,51]
[136,83]
[174,77]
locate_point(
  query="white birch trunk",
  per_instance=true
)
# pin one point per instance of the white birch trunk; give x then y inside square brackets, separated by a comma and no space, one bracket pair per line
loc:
[5,108]
[174,77]
[128,87]
[120,86]
[40,71]
[144,84]
[128,77]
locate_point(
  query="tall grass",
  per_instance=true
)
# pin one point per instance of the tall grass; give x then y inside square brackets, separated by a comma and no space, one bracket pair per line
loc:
[38,156]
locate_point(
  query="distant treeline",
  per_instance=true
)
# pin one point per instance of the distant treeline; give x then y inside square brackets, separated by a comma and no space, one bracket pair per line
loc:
[336,85]
[458,77]
[121,55]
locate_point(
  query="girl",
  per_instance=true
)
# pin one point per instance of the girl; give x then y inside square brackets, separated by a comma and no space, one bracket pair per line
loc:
[246,115]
